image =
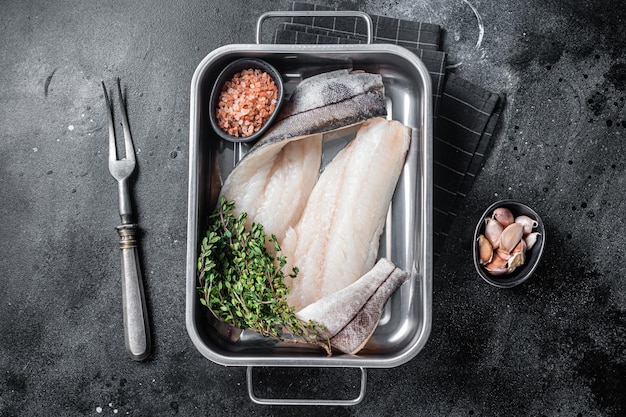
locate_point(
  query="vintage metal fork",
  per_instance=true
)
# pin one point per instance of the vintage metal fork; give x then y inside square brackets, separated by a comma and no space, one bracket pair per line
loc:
[136,327]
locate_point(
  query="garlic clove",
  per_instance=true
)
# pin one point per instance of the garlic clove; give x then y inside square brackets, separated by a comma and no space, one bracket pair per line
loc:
[528,223]
[493,230]
[485,250]
[504,216]
[497,271]
[511,236]
[516,259]
[497,266]
[518,256]
[520,247]
[503,253]
[531,239]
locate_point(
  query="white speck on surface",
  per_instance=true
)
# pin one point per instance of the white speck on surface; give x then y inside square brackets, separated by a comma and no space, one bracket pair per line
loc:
[70,127]
[35,149]
[98,409]
[110,405]
[115,411]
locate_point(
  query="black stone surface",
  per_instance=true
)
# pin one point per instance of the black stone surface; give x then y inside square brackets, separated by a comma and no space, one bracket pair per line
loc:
[555,346]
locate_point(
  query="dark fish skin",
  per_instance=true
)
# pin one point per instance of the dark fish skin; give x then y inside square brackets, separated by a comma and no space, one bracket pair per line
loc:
[326,102]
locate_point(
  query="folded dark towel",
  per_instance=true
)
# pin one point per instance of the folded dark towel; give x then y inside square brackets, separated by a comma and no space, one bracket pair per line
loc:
[465,114]
[461,136]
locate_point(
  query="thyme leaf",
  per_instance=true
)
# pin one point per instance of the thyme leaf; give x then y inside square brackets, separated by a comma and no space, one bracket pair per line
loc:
[242,282]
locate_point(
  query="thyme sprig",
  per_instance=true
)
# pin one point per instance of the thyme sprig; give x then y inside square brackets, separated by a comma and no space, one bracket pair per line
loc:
[243,283]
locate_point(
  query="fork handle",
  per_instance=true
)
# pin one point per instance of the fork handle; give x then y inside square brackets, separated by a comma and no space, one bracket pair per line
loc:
[124,199]
[136,327]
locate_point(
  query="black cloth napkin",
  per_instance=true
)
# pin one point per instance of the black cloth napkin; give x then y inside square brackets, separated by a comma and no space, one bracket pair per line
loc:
[465,115]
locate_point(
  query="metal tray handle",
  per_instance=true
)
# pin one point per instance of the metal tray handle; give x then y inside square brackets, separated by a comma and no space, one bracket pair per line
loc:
[317,13]
[305,401]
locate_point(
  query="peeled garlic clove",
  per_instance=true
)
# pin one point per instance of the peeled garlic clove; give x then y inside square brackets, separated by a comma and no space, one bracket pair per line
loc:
[511,236]
[504,216]
[531,239]
[528,223]
[497,266]
[485,250]
[493,230]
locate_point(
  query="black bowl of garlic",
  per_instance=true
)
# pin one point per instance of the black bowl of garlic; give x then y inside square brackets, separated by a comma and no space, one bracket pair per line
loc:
[508,243]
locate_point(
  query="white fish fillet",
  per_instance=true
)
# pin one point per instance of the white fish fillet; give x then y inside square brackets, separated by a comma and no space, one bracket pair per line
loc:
[336,240]
[274,187]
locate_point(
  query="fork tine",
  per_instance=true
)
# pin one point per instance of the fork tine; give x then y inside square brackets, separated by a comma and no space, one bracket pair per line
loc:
[128,140]
[112,149]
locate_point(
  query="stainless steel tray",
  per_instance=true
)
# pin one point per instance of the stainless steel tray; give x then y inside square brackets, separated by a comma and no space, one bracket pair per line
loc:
[407,239]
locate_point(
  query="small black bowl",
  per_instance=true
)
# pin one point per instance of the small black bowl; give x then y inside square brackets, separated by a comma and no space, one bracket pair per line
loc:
[226,74]
[533,256]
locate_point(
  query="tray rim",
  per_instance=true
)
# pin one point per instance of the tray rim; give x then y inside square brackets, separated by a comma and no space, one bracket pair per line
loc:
[424,258]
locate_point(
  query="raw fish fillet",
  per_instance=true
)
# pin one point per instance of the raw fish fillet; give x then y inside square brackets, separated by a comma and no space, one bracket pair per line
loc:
[354,336]
[351,314]
[273,181]
[274,186]
[325,102]
[336,240]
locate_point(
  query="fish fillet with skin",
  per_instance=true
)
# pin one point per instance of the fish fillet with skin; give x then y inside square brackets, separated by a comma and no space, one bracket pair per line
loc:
[350,315]
[326,102]
[336,240]
[273,181]
[355,335]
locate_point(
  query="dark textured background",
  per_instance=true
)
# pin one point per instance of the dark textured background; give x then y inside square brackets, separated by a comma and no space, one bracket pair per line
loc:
[555,346]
